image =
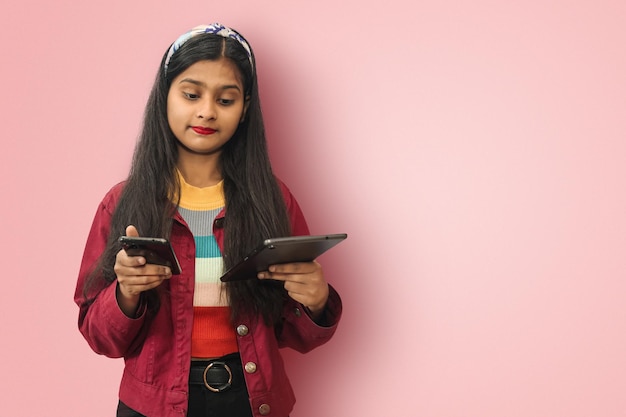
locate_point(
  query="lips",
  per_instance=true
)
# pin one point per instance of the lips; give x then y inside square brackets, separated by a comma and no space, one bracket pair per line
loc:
[201,130]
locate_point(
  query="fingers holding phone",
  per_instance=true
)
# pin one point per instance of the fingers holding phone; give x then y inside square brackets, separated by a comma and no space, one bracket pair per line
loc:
[135,274]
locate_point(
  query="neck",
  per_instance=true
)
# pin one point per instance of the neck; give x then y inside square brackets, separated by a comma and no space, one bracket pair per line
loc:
[200,170]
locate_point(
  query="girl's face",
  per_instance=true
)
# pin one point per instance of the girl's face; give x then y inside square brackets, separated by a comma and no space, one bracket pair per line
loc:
[205,105]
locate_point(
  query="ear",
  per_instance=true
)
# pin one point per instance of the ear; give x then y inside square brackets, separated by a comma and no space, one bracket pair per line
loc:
[246,104]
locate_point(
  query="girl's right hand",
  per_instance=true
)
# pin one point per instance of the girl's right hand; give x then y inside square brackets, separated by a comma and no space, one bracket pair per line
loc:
[135,276]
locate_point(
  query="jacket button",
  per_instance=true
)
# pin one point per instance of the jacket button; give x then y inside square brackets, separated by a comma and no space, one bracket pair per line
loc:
[242,330]
[264,409]
[297,312]
[250,367]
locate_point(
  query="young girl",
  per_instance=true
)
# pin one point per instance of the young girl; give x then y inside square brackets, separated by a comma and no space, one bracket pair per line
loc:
[201,177]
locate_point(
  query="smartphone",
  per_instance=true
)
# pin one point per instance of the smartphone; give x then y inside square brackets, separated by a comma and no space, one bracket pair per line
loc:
[156,250]
[280,251]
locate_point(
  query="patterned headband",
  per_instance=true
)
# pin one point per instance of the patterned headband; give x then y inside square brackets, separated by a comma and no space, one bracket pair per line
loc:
[214,28]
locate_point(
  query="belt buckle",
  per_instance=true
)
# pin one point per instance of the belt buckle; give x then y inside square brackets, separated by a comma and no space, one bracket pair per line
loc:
[223,386]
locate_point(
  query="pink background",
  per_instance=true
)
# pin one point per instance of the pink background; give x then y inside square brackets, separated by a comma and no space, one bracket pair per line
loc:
[474,151]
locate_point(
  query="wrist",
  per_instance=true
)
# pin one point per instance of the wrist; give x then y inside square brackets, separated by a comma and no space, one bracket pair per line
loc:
[316,312]
[127,303]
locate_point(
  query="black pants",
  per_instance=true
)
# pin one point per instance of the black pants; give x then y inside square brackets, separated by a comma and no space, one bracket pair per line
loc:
[232,402]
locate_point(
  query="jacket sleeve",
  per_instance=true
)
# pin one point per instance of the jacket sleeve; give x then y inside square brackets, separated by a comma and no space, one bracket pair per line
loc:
[298,330]
[101,321]
[301,333]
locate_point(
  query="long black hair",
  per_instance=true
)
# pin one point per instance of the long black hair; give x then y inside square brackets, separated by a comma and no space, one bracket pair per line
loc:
[255,206]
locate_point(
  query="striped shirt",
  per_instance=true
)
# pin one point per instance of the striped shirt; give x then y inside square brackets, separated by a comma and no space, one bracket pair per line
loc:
[212,334]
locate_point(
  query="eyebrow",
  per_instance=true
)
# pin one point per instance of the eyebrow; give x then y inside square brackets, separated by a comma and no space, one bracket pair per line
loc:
[201,84]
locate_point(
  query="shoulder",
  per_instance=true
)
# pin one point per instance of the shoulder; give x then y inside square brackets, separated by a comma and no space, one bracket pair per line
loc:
[290,200]
[110,199]
[284,189]
[296,217]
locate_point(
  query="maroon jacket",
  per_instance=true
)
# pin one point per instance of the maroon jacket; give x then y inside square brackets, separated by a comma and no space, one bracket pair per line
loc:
[157,351]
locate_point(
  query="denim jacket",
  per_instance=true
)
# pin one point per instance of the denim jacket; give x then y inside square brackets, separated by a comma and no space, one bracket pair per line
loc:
[157,349]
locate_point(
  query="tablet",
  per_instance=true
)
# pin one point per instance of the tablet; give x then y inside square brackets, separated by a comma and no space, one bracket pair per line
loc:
[280,251]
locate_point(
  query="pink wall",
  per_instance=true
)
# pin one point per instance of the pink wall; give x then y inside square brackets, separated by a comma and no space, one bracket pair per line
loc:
[475,152]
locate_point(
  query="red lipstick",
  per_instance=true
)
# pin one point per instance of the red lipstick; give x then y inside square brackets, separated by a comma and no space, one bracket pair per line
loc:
[201,130]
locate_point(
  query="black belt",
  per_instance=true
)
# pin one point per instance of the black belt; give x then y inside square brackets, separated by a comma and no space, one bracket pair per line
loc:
[215,375]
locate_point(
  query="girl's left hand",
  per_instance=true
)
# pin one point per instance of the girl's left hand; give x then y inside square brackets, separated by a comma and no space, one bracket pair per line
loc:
[304,282]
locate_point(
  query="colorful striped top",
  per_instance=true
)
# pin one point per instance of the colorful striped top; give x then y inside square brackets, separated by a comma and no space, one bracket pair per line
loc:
[212,334]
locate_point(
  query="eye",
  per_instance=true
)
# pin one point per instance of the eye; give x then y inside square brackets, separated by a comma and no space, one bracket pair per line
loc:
[191,96]
[225,101]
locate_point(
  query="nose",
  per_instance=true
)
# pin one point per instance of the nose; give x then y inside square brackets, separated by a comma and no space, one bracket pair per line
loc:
[207,109]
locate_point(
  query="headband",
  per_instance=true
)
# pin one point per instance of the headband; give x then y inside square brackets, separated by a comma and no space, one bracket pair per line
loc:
[213,28]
